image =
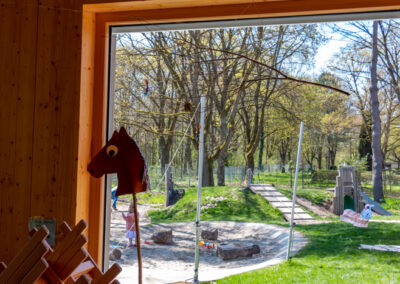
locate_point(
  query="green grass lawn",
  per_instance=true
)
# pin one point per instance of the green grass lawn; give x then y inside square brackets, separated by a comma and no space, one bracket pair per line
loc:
[277,179]
[153,197]
[220,203]
[316,196]
[332,256]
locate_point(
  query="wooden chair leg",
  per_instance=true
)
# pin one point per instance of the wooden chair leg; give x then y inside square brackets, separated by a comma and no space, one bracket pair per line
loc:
[3,267]
[37,271]
[83,280]
[110,275]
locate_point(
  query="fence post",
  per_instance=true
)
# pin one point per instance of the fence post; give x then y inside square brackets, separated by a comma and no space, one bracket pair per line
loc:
[302,176]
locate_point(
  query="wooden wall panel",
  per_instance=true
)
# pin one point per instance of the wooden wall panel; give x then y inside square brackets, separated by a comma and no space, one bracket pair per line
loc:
[55,143]
[18,21]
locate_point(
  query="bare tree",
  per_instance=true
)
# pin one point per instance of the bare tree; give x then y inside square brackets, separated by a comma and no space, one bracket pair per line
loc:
[377,161]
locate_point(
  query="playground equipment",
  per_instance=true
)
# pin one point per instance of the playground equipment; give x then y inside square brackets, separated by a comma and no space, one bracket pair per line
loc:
[348,194]
[347,191]
[357,219]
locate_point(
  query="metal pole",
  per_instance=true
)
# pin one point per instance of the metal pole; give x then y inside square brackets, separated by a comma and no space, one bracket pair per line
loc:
[199,185]
[296,175]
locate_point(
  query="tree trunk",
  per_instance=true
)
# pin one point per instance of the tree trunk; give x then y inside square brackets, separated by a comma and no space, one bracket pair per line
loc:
[164,153]
[169,186]
[282,154]
[221,163]
[249,165]
[208,177]
[332,155]
[328,159]
[188,157]
[261,149]
[364,146]
[319,159]
[376,121]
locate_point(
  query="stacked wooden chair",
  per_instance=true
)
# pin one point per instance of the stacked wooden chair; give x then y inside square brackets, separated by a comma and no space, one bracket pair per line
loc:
[68,263]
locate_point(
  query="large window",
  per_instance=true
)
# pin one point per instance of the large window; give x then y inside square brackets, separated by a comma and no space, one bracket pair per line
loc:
[260,77]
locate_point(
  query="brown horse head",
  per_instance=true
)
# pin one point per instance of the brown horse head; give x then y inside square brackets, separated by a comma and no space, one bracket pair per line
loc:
[121,155]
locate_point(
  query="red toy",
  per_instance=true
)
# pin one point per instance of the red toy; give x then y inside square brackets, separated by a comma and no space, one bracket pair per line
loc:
[207,245]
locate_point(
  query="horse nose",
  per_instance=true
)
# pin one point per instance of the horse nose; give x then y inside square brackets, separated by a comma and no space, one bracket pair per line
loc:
[91,170]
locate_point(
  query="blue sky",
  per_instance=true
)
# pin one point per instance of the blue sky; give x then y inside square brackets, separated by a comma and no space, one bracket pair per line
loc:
[326,52]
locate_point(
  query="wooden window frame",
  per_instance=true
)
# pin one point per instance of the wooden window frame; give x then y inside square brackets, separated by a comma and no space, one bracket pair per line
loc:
[97,19]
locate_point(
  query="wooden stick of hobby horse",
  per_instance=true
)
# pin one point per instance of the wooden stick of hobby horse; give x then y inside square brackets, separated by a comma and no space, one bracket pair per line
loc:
[139,253]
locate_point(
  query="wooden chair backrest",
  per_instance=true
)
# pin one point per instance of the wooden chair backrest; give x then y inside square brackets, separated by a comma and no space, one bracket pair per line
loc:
[69,262]
[29,264]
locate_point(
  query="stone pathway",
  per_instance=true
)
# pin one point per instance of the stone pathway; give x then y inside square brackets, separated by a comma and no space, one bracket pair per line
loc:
[381,247]
[281,202]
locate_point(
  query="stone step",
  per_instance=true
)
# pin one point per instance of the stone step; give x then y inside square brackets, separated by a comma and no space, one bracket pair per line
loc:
[287,206]
[281,202]
[289,210]
[298,217]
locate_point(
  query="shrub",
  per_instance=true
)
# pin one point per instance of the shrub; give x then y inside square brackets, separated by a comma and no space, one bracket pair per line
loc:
[324,175]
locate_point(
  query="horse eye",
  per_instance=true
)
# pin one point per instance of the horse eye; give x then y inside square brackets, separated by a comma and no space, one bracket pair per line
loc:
[112,150]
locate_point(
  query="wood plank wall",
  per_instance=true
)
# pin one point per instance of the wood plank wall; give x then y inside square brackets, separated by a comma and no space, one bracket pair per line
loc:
[46,100]
[40,59]
[18,22]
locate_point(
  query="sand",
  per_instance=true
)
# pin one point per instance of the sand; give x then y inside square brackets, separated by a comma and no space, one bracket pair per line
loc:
[175,262]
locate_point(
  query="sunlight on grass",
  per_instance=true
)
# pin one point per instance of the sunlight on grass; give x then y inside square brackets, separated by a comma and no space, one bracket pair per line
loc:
[333,257]
[220,203]
[316,196]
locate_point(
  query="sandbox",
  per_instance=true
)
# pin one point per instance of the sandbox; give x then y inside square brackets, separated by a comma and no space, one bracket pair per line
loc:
[175,262]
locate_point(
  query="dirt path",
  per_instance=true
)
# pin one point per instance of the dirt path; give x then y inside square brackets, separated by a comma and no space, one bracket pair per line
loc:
[169,263]
[316,209]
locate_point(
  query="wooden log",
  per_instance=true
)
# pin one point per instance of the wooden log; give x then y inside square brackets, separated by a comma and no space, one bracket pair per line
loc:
[232,251]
